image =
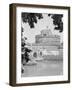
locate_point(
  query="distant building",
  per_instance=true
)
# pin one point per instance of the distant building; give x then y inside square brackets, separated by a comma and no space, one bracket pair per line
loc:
[46,45]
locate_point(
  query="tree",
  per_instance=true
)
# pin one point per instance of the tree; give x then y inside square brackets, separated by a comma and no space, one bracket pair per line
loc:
[57,20]
[31,18]
[26,51]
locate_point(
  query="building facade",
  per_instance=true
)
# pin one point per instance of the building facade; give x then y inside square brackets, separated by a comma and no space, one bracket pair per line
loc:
[45,46]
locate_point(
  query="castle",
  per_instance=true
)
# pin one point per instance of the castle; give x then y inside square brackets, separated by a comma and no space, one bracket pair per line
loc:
[45,46]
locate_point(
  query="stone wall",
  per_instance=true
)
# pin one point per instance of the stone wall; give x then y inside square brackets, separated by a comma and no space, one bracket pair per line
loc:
[46,47]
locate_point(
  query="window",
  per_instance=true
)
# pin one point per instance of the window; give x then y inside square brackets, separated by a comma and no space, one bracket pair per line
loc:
[40,53]
[44,34]
[35,54]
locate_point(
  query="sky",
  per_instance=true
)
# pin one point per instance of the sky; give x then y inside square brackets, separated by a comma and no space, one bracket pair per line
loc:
[42,24]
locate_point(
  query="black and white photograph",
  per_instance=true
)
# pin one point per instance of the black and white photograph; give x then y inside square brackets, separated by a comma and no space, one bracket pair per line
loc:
[40,53]
[41,44]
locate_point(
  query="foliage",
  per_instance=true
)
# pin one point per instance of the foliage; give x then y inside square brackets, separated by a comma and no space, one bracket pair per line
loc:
[57,20]
[26,51]
[31,18]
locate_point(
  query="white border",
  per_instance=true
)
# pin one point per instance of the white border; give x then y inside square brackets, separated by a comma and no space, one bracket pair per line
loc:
[18,46]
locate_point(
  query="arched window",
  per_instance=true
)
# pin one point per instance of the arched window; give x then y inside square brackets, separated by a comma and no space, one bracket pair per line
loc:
[40,53]
[44,34]
[35,54]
